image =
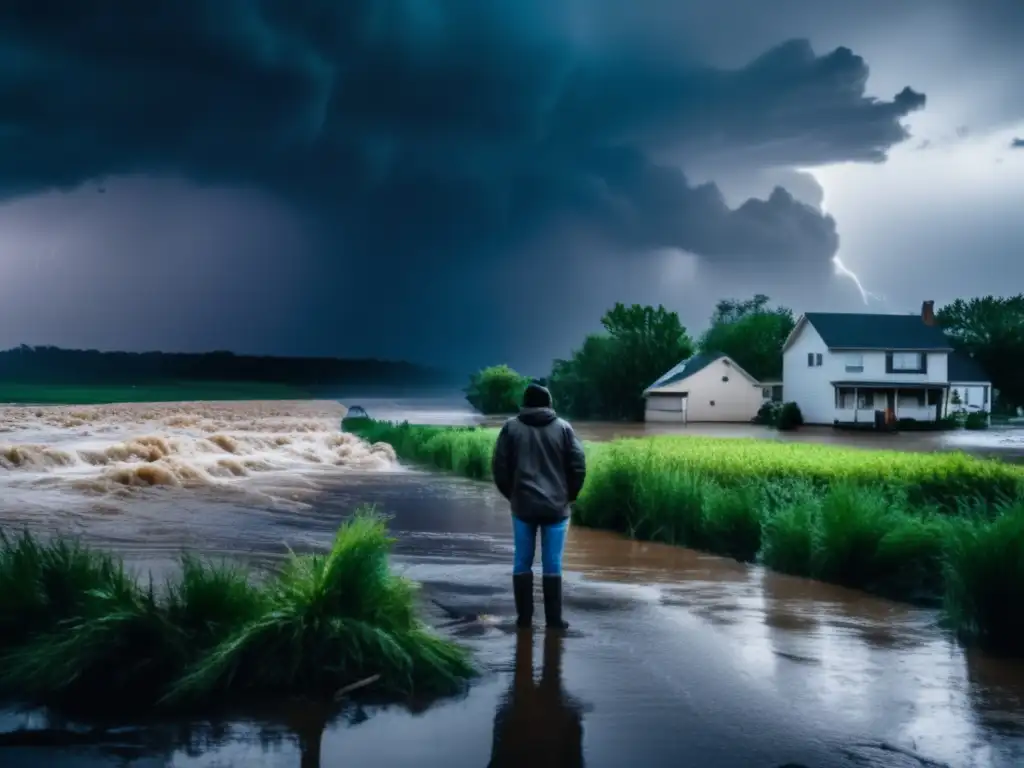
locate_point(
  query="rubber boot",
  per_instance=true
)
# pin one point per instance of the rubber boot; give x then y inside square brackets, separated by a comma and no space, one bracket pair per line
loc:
[522,590]
[553,603]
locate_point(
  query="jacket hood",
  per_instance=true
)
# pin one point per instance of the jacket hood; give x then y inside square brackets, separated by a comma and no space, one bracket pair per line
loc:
[537,417]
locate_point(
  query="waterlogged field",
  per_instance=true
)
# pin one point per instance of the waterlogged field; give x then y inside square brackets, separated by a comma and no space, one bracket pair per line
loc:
[944,528]
[76,627]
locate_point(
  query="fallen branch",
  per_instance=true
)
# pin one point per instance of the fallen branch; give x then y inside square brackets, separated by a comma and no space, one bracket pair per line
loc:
[343,692]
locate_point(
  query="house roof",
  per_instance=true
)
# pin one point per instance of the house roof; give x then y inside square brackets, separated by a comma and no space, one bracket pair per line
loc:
[684,370]
[692,365]
[849,330]
[964,368]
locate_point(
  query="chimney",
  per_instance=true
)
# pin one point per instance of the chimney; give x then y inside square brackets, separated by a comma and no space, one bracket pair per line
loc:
[928,313]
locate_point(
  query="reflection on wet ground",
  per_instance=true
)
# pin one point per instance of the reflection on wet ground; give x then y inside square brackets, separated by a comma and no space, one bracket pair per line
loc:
[674,658]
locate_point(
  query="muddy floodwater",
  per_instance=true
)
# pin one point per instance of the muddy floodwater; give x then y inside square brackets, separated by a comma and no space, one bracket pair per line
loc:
[674,658]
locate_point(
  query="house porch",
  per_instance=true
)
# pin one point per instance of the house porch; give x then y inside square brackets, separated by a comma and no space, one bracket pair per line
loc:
[856,403]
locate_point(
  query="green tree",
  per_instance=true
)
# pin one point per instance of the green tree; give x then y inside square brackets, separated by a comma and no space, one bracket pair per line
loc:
[497,389]
[751,333]
[605,378]
[991,329]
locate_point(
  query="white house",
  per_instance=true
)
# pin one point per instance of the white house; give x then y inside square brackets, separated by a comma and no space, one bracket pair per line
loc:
[843,367]
[705,387]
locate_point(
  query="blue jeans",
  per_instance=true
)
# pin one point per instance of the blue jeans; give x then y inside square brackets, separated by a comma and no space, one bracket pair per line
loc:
[552,545]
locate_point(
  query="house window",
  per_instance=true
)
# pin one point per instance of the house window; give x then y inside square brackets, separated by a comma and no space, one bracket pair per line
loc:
[844,398]
[814,360]
[855,363]
[766,393]
[848,399]
[725,378]
[907,361]
[966,399]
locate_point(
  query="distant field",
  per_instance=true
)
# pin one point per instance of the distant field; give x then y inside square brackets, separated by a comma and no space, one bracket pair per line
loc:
[60,394]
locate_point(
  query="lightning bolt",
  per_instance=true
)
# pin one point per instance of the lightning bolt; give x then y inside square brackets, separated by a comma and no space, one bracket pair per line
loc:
[841,269]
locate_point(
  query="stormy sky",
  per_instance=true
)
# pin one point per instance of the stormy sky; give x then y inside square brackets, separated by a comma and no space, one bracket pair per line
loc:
[462,183]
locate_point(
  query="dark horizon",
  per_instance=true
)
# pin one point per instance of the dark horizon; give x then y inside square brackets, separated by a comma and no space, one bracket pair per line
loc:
[461,184]
[55,365]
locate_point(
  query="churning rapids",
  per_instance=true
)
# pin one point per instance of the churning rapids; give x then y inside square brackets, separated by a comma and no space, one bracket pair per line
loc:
[677,658]
[117,453]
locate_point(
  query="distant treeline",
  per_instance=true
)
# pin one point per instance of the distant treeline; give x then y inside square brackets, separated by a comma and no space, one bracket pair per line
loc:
[53,365]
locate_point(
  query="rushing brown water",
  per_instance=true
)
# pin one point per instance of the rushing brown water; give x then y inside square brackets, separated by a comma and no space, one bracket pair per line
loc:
[674,658]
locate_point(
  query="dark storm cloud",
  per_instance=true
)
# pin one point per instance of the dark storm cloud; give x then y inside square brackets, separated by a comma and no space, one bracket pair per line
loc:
[440,130]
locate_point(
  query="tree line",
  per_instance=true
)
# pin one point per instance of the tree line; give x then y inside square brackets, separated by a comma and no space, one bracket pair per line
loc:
[53,365]
[605,377]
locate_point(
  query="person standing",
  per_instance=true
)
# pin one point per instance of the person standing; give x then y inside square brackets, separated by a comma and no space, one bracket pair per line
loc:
[539,466]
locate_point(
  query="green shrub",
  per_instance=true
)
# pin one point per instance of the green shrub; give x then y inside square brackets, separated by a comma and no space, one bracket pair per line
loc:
[768,414]
[497,389]
[94,634]
[789,417]
[977,420]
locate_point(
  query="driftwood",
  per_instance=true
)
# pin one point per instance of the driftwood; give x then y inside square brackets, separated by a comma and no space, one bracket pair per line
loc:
[343,692]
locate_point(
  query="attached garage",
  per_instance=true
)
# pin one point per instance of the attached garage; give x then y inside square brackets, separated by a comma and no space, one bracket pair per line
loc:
[666,406]
[705,388]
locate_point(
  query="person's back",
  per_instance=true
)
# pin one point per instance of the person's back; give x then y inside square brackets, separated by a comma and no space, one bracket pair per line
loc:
[539,466]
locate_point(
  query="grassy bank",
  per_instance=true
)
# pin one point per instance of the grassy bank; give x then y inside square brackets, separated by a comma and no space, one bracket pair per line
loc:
[70,394]
[76,627]
[925,527]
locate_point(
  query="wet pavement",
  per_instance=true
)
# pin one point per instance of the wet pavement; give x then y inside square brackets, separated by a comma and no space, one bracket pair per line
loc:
[674,658]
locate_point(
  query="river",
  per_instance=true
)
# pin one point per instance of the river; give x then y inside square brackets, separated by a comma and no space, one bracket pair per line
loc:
[674,657]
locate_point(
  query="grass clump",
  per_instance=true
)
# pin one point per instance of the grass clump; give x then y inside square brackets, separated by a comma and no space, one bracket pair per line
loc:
[985,577]
[215,632]
[932,528]
[328,621]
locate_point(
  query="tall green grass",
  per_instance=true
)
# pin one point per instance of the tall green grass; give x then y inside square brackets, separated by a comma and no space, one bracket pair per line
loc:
[932,528]
[76,627]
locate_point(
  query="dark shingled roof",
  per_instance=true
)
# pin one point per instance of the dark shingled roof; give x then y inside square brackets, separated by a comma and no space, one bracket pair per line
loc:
[686,369]
[849,330]
[964,368]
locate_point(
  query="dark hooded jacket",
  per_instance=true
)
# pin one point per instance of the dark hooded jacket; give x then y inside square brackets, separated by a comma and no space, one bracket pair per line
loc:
[539,465]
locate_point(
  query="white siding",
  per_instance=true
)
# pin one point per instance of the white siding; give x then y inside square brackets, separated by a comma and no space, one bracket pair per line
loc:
[810,388]
[710,398]
[874,367]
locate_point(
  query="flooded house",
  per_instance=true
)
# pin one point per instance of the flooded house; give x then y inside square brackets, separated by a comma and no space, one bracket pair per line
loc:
[876,369]
[709,387]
